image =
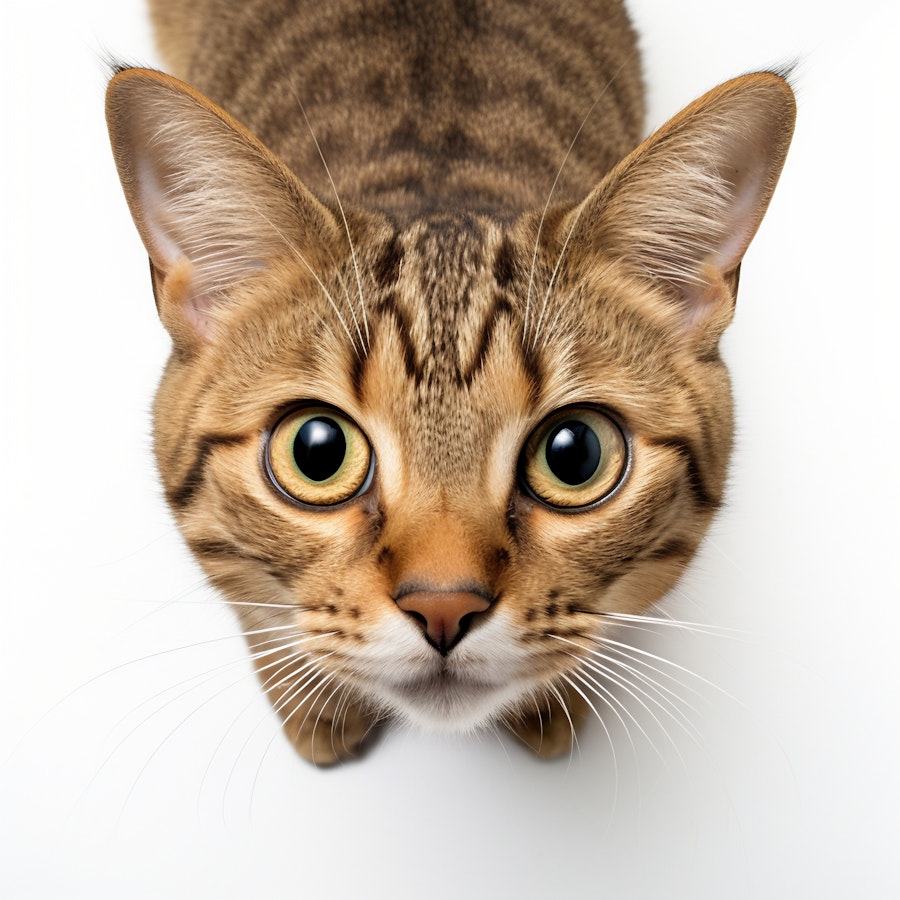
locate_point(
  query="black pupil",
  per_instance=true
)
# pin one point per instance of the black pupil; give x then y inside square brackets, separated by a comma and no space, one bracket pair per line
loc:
[319,448]
[573,452]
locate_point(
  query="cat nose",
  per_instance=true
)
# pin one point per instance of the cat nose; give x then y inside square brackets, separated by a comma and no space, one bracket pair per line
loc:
[443,615]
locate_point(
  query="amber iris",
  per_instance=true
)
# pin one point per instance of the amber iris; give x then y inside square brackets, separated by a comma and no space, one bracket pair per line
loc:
[318,456]
[575,458]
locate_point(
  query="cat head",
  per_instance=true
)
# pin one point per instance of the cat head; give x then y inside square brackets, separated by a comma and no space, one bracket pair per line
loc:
[430,463]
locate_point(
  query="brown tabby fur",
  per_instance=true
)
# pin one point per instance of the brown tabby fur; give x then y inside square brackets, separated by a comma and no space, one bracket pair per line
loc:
[435,296]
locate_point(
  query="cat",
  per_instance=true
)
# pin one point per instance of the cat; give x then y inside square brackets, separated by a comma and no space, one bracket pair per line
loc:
[445,400]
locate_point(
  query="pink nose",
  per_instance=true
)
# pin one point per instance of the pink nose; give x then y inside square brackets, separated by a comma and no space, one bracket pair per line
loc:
[442,614]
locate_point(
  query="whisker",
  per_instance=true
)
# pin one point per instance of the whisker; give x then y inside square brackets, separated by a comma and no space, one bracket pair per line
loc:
[606,731]
[325,291]
[611,700]
[124,665]
[665,700]
[629,648]
[666,694]
[562,253]
[702,628]
[636,693]
[340,718]
[312,738]
[310,697]
[209,676]
[622,651]
[277,708]
[283,662]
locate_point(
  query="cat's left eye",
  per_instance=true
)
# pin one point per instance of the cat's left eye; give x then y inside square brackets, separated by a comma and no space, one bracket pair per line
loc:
[574,458]
[318,456]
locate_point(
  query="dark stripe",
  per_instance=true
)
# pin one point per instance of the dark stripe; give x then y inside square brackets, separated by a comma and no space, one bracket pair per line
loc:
[505,263]
[284,571]
[669,550]
[224,549]
[500,309]
[181,496]
[389,308]
[626,565]
[702,496]
[386,269]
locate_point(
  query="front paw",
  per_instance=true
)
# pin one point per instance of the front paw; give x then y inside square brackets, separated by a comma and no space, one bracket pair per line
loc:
[331,732]
[550,729]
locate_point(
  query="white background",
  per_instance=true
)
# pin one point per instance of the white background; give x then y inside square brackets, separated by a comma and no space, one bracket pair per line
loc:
[131,768]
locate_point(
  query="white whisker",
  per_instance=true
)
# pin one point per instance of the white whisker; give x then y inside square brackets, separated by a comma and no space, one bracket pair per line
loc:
[603,725]
[268,688]
[610,699]
[554,690]
[701,628]
[325,291]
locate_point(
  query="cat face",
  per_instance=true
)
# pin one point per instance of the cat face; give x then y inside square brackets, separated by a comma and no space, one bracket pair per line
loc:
[448,411]
[430,464]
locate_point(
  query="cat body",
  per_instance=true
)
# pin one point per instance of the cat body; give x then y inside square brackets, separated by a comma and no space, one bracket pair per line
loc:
[445,398]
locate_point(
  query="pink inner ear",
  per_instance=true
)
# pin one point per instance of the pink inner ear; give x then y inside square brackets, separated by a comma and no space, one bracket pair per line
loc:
[164,251]
[749,166]
[682,209]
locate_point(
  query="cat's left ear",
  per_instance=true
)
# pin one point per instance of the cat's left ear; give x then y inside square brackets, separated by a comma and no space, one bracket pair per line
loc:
[213,206]
[683,207]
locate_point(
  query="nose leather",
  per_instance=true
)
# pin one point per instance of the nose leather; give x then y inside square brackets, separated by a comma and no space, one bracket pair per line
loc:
[440,614]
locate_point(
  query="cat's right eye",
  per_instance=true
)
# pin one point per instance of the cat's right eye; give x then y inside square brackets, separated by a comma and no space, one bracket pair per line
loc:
[318,456]
[574,458]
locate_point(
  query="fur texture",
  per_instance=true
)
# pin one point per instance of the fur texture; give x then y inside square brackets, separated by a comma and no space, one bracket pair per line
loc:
[452,278]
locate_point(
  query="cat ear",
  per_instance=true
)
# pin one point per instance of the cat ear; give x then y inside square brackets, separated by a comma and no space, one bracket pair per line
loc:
[683,207]
[213,206]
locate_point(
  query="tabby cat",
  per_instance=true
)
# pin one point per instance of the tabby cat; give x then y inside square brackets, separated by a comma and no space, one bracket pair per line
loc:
[445,401]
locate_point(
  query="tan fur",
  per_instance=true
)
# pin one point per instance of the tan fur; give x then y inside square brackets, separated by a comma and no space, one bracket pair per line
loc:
[447,305]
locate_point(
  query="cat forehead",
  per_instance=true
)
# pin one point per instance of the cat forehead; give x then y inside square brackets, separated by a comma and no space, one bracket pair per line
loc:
[448,336]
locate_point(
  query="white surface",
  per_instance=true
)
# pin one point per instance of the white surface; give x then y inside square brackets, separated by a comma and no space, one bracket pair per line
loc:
[131,769]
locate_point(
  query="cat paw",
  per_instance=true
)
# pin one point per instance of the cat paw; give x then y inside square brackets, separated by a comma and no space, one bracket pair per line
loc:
[550,731]
[332,734]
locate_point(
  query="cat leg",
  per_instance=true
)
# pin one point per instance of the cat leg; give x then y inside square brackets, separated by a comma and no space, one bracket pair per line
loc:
[330,730]
[549,730]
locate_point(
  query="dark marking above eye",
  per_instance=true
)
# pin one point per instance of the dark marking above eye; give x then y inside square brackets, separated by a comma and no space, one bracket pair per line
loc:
[389,308]
[505,263]
[500,309]
[386,269]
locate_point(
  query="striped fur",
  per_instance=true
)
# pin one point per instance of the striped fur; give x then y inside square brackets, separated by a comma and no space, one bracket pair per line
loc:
[428,284]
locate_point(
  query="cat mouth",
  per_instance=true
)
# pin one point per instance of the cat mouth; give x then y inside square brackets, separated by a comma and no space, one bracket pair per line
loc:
[447,701]
[444,682]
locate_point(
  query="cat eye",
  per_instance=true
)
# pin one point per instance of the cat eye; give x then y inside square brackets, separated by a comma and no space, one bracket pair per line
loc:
[574,458]
[316,455]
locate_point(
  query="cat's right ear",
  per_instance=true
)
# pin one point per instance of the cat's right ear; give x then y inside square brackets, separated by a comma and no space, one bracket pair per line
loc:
[212,205]
[681,209]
